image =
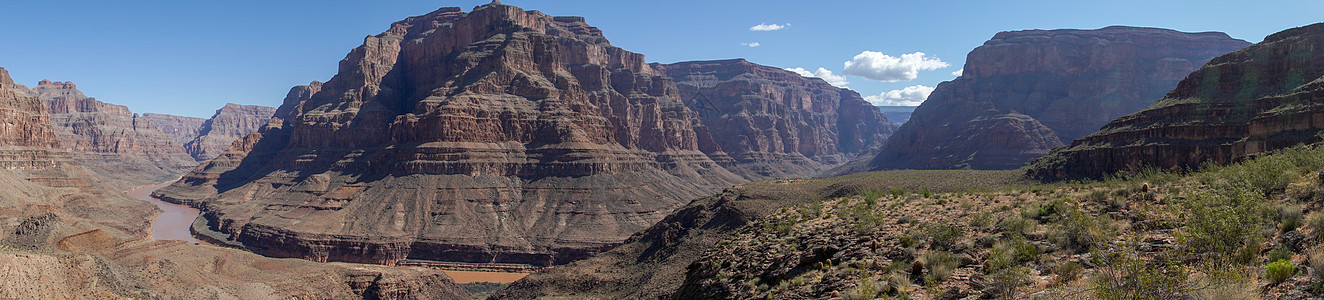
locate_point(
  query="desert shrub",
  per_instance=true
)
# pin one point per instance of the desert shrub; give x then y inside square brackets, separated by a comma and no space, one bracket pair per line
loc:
[871,196]
[926,192]
[1315,257]
[1080,231]
[1315,221]
[1268,174]
[1221,224]
[1279,253]
[982,220]
[1279,271]
[907,241]
[939,265]
[867,288]
[898,192]
[1067,272]
[1016,225]
[943,235]
[1289,217]
[1122,275]
[1002,284]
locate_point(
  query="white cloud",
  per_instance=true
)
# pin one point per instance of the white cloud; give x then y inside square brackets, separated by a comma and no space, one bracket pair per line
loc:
[769,27]
[959,72]
[825,74]
[750,44]
[882,67]
[909,96]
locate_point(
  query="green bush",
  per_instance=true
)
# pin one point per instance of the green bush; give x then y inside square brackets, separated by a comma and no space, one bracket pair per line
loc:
[939,265]
[1279,253]
[943,235]
[1315,221]
[1067,272]
[1279,271]
[1289,217]
[1016,225]
[1122,275]
[1223,223]
[1081,231]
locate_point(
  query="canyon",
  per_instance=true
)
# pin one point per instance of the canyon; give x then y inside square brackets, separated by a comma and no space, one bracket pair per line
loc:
[1023,93]
[510,136]
[230,123]
[64,234]
[1258,99]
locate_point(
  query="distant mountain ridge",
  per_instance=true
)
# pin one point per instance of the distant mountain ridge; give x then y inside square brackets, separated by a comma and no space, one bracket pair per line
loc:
[1265,97]
[1024,93]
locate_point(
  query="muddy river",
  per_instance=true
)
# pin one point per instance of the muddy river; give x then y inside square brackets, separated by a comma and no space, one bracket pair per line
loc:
[174,223]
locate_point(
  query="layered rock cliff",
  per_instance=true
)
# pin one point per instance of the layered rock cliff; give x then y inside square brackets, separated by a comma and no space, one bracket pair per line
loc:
[182,129]
[108,139]
[497,135]
[775,123]
[26,139]
[1024,93]
[1264,97]
[230,123]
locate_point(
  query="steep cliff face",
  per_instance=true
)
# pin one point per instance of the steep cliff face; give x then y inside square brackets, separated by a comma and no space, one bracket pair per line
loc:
[1264,97]
[182,129]
[1024,93]
[775,123]
[109,139]
[230,123]
[26,139]
[498,135]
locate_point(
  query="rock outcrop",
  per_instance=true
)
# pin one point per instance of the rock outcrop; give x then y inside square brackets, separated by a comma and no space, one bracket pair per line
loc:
[182,129]
[108,139]
[27,140]
[1264,97]
[230,123]
[1024,93]
[497,135]
[775,123]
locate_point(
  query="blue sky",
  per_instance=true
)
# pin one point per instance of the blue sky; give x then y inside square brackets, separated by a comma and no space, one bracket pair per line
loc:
[191,57]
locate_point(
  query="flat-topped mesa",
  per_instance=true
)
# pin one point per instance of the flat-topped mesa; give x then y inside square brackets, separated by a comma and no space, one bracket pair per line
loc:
[775,123]
[1024,93]
[108,139]
[497,135]
[1265,97]
[230,123]
[27,140]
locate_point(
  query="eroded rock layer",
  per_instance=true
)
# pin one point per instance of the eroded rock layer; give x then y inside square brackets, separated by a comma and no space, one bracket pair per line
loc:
[108,139]
[26,138]
[182,129]
[230,123]
[775,123]
[1024,93]
[497,135]
[1264,97]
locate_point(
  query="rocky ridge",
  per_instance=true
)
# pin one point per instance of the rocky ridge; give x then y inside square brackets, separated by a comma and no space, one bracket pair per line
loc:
[775,123]
[498,135]
[1024,93]
[1261,98]
[65,235]
[230,123]
[108,139]
[183,129]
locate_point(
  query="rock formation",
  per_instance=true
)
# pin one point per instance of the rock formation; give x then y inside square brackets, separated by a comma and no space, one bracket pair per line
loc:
[26,139]
[230,123]
[775,123]
[109,139]
[182,129]
[498,135]
[1024,93]
[897,114]
[67,236]
[1264,97]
